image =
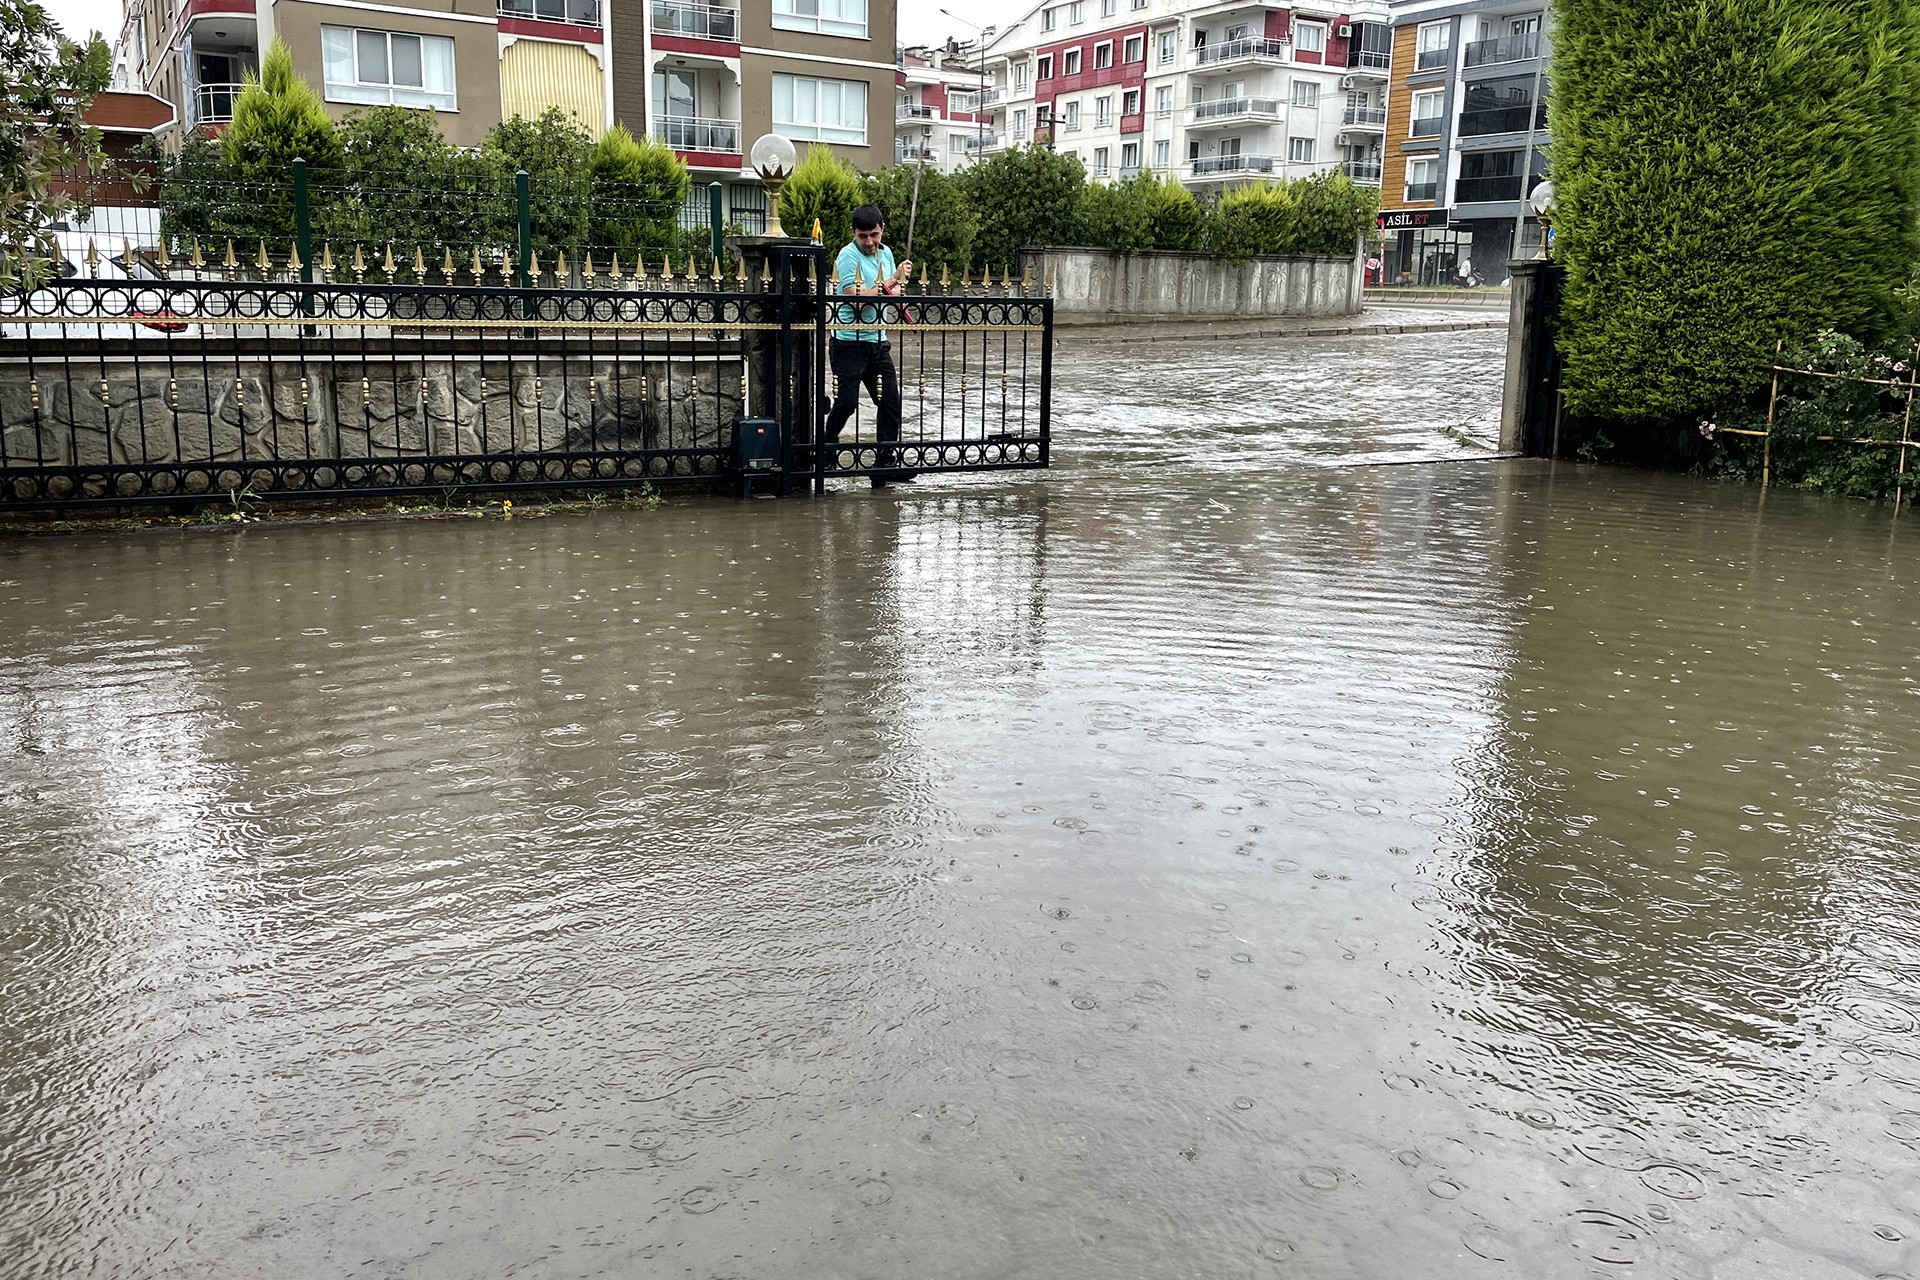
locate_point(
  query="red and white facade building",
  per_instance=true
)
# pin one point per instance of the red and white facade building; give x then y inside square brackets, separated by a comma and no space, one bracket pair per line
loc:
[946,116]
[1215,92]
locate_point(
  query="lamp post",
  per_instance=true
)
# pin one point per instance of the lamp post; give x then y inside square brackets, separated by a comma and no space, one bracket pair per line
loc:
[772,157]
[1542,204]
[979,115]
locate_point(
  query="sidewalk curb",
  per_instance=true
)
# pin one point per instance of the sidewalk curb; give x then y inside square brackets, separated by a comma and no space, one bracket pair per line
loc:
[1105,334]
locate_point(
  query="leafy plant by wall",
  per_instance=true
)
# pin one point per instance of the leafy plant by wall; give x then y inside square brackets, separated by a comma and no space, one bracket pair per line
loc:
[1334,211]
[553,148]
[1727,174]
[638,189]
[826,187]
[1024,195]
[1261,217]
[277,118]
[944,227]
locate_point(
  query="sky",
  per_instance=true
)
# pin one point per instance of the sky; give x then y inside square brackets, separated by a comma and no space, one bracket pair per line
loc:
[921,21]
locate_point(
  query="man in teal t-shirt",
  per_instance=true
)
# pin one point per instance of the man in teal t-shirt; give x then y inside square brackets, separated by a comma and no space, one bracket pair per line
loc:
[858,351]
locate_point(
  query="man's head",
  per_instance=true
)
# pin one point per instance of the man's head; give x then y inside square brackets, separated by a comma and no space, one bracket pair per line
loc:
[867,227]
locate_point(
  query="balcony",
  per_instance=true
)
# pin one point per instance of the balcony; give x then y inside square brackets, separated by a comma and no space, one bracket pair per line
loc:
[1371,60]
[699,133]
[1364,172]
[1234,52]
[1214,165]
[213,103]
[1423,191]
[906,154]
[694,21]
[1365,117]
[1129,172]
[1482,190]
[1484,53]
[1428,126]
[911,111]
[579,13]
[1503,120]
[1432,59]
[1224,112]
[973,103]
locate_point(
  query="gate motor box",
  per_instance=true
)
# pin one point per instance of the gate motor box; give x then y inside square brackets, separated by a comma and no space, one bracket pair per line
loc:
[756,445]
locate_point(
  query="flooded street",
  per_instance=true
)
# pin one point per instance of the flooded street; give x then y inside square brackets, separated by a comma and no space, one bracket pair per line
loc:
[1220,856]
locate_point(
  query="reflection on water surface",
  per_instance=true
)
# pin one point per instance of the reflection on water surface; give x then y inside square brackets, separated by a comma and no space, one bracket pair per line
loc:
[1210,858]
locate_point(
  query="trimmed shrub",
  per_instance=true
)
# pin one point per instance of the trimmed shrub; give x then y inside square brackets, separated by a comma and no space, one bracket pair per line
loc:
[400,172]
[638,191]
[1334,212]
[276,119]
[553,148]
[1024,195]
[1727,174]
[1261,217]
[944,228]
[826,187]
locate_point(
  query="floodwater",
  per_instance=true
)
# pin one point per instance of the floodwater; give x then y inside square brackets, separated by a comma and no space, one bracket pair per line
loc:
[1221,856]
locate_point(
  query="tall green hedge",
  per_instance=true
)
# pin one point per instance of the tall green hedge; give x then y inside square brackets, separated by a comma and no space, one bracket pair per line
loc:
[1728,173]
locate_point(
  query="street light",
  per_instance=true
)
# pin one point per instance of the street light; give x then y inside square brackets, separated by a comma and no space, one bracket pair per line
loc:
[1541,202]
[772,158]
[979,116]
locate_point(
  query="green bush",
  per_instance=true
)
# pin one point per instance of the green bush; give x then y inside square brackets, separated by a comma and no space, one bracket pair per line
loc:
[1175,219]
[1727,174]
[400,172]
[1334,212]
[553,148]
[1261,217]
[825,187]
[276,119]
[638,191]
[1024,196]
[943,229]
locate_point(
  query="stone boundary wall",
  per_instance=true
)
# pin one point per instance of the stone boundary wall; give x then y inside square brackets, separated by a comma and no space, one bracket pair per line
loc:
[226,402]
[1108,285]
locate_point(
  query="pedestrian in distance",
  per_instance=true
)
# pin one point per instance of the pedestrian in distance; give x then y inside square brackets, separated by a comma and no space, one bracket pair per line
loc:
[858,351]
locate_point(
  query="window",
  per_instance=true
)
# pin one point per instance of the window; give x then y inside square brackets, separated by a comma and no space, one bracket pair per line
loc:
[1020,77]
[1130,103]
[1020,125]
[1072,67]
[1073,115]
[1300,150]
[1108,7]
[1428,107]
[1306,93]
[820,110]
[958,142]
[1100,158]
[1139,4]
[1135,50]
[1103,109]
[1049,19]
[1160,150]
[1169,46]
[829,17]
[1237,33]
[1129,156]
[1163,101]
[1310,37]
[1077,12]
[387,67]
[1103,55]
[1431,44]
[1046,67]
[1423,178]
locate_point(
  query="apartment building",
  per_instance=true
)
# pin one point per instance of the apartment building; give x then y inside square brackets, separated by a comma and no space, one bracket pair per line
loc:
[1217,92]
[945,117]
[1466,138]
[704,76]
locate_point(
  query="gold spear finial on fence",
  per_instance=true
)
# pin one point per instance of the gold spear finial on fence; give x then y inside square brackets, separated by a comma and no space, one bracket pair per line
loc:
[586,272]
[766,274]
[666,271]
[562,275]
[199,259]
[326,261]
[1026,280]
[161,259]
[533,269]
[716,271]
[92,258]
[613,272]
[945,278]
[126,254]
[986,279]
[387,265]
[446,264]
[740,273]
[359,265]
[232,264]
[966,278]
[1049,284]
[262,261]
[477,267]
[293,260]
[419,265]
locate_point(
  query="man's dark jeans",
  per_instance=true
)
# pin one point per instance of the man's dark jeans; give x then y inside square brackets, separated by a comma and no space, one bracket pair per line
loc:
[865,364]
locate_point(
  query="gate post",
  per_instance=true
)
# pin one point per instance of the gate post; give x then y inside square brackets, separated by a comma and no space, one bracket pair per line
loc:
[1530,397]
[782,366]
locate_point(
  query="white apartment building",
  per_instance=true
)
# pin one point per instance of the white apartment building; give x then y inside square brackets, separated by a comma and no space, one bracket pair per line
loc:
[945,115]
[1217,92]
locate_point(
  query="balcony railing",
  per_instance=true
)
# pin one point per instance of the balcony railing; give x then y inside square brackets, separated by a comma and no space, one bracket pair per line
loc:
[1362,171]
[1503,120]
[1371,60]
[1230,109]
[1428,126]
[1240,50]
[1429,59]
[213,103]
[914,111]
[1478,190]
[1423,191]
[1371,117]
[1128,171]
[1483,53]
[696,21]
[581,13]
[1234,164]
[699,133]
[973,103]
[903,154]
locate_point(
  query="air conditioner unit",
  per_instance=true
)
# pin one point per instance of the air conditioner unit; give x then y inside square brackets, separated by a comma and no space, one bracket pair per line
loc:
[1347,82]
[1346,30]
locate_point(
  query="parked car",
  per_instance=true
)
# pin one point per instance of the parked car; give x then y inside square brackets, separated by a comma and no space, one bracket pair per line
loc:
[131,301]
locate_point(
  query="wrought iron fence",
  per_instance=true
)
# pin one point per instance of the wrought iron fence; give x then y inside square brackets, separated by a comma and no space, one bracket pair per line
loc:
[187,382]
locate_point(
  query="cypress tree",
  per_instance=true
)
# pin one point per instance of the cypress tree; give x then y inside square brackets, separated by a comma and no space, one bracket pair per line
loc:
[1728,173]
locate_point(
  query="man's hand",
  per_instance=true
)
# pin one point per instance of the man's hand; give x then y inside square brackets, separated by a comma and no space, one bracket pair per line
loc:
[901,274]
